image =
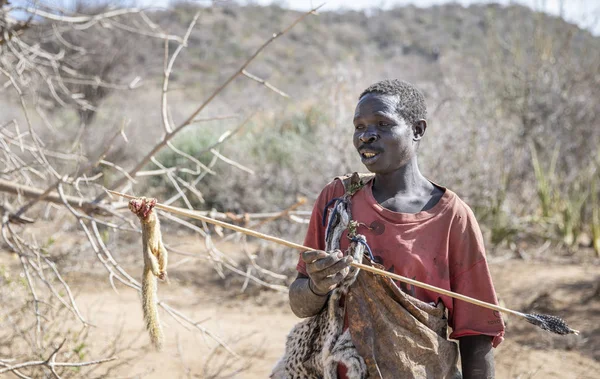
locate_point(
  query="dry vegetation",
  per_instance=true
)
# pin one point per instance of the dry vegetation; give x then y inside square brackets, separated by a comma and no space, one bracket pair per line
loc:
[166,103]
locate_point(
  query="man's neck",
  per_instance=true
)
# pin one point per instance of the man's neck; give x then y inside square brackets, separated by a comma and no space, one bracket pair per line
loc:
[407,180]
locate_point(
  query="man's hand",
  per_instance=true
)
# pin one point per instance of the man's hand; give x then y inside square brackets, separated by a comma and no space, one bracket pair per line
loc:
[326,270]
[308,295]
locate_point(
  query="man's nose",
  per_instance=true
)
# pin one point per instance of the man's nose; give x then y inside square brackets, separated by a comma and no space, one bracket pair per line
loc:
[369,136]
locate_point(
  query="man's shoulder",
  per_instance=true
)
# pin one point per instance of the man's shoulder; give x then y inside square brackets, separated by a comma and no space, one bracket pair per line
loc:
[333,189]
[355,180]
[342,183]
[455,204]
[460,209]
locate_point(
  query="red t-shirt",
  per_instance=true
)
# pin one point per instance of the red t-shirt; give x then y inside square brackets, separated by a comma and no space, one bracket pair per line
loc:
[442,246]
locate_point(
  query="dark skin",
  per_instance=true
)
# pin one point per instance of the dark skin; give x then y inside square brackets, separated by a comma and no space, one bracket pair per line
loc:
[388,147]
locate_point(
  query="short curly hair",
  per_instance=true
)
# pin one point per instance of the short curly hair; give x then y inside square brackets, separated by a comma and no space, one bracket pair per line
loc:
[411,102]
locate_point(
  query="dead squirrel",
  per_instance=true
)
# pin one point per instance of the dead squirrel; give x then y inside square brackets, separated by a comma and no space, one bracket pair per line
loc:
[155,264]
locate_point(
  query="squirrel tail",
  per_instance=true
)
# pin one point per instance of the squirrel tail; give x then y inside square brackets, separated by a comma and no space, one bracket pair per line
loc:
[150,309]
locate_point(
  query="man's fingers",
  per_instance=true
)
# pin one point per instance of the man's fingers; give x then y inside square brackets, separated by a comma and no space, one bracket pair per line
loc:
[328,279]
[335,267]
[326,270]
[323,263]
[333,281]
[311,256]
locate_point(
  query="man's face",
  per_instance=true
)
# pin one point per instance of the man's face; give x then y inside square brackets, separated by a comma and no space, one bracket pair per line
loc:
[381,136]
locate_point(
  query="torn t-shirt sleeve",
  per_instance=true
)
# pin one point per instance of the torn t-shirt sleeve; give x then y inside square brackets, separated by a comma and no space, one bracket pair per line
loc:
[470,276]
[315,235]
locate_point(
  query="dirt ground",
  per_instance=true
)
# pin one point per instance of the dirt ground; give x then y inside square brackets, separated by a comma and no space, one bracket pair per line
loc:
[255,325]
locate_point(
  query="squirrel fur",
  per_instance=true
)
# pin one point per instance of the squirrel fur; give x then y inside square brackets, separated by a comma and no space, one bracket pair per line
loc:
[155,265]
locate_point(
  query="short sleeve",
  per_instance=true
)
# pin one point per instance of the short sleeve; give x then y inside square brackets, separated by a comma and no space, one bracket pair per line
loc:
[470,276]
[315,235]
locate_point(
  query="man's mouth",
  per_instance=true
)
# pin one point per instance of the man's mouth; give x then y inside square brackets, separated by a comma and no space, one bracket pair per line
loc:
[369,156]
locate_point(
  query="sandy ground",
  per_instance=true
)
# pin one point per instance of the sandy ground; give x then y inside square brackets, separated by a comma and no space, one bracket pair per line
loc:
[255,326]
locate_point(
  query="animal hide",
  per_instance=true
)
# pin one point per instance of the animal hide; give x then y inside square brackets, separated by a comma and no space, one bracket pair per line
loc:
[316,346]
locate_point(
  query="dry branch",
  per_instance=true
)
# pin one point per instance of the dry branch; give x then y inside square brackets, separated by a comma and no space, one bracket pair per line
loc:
[52,196]
[168,136]
[264,83]
[51,363]
[301,201]
[167,72]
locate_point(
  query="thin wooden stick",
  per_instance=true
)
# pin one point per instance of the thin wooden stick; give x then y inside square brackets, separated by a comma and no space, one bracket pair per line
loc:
[416,283]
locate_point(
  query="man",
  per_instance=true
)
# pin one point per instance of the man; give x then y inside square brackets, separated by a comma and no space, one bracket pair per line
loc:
[414,227]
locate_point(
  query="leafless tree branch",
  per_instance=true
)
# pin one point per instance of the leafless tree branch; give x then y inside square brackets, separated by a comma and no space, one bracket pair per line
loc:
[194,114]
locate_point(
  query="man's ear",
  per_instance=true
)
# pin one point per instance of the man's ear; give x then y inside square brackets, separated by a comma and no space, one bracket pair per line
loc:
[418,129]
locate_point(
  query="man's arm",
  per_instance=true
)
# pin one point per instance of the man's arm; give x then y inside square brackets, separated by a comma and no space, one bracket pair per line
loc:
[308,294]
[303,301]
[477,357]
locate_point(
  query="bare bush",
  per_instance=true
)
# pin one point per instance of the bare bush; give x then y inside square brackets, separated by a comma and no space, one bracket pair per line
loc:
[68,58]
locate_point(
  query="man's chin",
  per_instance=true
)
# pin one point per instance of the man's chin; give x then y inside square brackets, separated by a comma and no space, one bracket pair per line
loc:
[374,168]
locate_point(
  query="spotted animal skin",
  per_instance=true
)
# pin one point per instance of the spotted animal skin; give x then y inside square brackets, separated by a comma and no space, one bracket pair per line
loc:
[316,346]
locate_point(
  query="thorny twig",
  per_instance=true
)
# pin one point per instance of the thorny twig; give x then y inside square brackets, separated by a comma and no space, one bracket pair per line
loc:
[51,363]
[167,72]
